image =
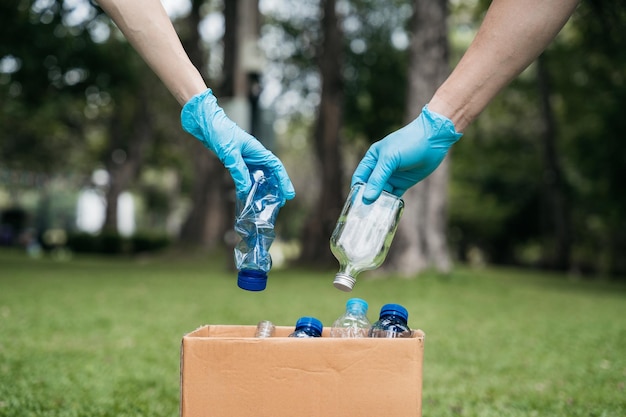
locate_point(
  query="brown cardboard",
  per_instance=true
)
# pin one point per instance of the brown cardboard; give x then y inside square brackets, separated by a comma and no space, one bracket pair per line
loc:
[227,372]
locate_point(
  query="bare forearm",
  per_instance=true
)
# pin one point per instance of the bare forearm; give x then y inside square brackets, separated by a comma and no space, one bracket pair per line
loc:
[148,28]
[511,36]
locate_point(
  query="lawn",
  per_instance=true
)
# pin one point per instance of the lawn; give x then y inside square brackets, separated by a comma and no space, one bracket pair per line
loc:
[101,336]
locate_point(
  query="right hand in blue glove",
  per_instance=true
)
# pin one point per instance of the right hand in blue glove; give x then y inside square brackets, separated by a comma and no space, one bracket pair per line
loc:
[406,156]
[202,117]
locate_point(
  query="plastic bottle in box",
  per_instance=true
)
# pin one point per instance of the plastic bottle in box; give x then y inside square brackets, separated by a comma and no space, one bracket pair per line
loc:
[353,322]
[307,327]
[392,322]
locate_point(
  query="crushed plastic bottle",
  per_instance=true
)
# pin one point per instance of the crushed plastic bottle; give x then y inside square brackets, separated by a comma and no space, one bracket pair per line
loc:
[254,223]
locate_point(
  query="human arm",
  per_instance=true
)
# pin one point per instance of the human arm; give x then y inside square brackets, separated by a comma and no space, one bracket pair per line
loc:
[148,28]
[511,36]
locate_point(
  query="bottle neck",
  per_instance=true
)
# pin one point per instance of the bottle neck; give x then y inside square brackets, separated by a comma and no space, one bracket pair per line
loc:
[308,330]
[357,311]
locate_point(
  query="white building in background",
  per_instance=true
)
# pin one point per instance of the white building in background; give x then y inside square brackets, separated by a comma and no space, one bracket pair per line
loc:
[91,208]
[126,214]
[90,212]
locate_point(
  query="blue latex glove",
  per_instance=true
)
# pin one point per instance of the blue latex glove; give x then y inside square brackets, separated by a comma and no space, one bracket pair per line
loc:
[406,156]
[205,119]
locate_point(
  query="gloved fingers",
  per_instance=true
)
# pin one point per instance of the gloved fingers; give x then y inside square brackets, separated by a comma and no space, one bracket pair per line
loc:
[378,179]
[374,170]
[364,169]
[277,169]
[254,153]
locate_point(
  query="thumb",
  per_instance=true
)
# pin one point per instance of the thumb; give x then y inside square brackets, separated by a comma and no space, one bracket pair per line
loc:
[364,169]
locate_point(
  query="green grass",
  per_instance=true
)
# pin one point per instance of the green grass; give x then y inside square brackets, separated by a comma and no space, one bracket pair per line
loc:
[101,336]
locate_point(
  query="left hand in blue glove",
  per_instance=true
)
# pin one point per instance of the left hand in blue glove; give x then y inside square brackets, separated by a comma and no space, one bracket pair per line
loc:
[202,117]
[406,156]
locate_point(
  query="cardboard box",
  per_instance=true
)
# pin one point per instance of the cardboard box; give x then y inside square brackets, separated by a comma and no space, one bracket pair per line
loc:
[227,372]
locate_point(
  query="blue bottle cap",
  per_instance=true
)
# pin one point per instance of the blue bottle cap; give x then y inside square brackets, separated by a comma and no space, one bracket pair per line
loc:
[395,310]
[252,280]
[357,305]
[310,322]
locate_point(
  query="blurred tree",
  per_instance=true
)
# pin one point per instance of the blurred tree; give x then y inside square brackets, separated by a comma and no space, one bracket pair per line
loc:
[43,77]
[209,216]
[421,239]
[495,210]
[128,126]
[375,74]
[536,177]
[131,131]
[320,224]
[74,95]
[592,82]
[556,211]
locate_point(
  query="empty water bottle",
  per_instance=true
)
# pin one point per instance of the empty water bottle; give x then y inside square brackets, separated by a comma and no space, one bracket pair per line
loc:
[363,234]
[254,223]
[265,328]
[354,322]
[307,327]
[392,322]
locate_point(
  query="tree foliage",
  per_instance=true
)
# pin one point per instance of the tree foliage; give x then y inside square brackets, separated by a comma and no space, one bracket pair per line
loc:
[42,82]
[498,204]
[376,66]
[71,90]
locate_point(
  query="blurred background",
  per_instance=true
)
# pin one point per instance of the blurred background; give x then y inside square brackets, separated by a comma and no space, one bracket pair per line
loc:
[93,158]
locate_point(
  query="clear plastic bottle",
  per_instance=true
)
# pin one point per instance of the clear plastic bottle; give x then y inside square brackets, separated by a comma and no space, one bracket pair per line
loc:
[307,327]
[392,322]
[354,322]
[265,328]
[363,234]
[254,223]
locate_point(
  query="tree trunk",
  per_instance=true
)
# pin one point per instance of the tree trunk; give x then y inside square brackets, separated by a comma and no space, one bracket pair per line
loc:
[321,222]
[209,217]
[126,153]
[206,222]
[558,227]
[421,237]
